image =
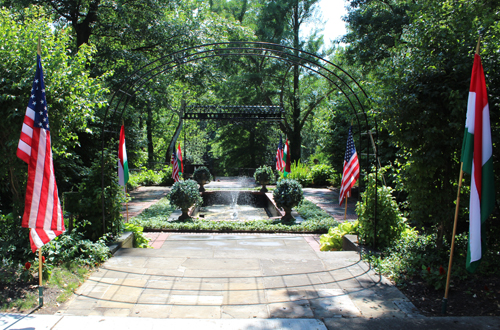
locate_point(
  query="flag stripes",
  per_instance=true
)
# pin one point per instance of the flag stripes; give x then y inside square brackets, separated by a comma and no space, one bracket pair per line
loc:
[123,175]
[350,173]
[477,161]
[42,209]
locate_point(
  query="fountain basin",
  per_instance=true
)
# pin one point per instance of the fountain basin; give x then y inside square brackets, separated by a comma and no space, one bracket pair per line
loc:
[236,205]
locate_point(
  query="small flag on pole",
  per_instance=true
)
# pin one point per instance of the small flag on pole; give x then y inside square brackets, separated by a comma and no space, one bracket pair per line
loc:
[179,159]
[122,160]
[175,167]
[280,164]
[42,209]
[478,162]
[350,174]
[286,160]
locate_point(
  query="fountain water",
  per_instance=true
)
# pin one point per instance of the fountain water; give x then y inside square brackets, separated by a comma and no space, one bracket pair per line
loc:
[235,204]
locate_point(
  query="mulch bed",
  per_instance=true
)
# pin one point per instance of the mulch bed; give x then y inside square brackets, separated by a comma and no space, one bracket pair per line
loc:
[477,297]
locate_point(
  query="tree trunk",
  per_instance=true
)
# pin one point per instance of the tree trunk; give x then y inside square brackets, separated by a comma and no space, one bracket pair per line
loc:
[149,134]
[83,28]
[295,138]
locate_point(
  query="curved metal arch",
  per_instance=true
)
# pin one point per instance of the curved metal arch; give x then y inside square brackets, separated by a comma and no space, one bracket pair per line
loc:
[149,71]
[179,60]
[353,107]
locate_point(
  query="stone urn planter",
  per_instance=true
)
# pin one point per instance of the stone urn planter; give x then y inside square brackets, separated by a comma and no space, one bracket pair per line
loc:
[183,195]
[202,176]
[263,176]
[288,194]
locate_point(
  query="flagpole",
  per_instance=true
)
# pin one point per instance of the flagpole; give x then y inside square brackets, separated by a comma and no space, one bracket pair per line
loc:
[126,199]
[40,281]
[445,299]
[40,262]
[345,211]
[447,288]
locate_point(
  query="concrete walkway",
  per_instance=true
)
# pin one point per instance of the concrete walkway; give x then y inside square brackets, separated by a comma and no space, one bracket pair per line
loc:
[237,276]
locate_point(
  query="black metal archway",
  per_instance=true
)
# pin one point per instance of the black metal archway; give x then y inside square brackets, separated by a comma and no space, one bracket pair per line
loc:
[345,84]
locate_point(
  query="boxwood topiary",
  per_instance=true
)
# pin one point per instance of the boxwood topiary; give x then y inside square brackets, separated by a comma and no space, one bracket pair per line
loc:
[202,176]
[263,175]
[288,194]
[185,194]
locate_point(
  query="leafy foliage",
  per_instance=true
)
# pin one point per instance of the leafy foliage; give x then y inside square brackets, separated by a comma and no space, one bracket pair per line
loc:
[72,96]
[185,194]
[288,193]
[332,241]
[321,174]
[264,174]
[88,211]
[75,248]
[390,223]
[140,241]
[299,172]
[150,177]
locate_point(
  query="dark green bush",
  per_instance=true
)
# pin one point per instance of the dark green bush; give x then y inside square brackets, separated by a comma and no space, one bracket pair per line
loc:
[390,222]
[321,174]
[288,193]
[202,174]
[89,209]
[14,240]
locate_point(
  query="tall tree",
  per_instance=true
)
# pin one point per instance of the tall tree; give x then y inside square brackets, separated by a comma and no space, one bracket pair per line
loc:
[420,64]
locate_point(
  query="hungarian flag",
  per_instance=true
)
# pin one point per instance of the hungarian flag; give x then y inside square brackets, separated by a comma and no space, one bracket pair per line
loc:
[286,160]
[122,160]
[42,208]
[280,164]
[179,159]
[477,161]
[350,173]
[175,167]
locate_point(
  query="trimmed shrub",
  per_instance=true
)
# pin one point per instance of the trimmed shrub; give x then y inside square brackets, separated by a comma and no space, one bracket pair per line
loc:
[263,175]
[288,194]
[185,194]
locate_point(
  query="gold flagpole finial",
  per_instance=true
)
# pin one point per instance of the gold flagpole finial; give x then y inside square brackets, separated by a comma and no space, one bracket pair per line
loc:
[39,48]
[478,45]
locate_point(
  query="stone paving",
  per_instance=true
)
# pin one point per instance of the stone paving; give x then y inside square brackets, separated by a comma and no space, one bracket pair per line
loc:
[237,276]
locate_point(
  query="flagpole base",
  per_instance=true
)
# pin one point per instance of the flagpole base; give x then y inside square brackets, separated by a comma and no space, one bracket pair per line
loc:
[443,307]
[40,296]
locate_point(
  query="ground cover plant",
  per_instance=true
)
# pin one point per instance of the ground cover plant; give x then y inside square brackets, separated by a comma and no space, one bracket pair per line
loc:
[68,259]
[156,218]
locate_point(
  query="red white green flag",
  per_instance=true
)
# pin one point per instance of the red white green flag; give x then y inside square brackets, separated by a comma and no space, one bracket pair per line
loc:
[477,161]
[122,160]
[286,160]
[179,159]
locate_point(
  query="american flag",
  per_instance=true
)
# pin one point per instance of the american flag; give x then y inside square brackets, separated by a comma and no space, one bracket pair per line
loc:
[175,167]
[351,169]
[280,164]
[42,210]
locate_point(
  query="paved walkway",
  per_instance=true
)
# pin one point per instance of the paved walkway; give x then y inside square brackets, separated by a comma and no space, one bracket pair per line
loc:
[237,277]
